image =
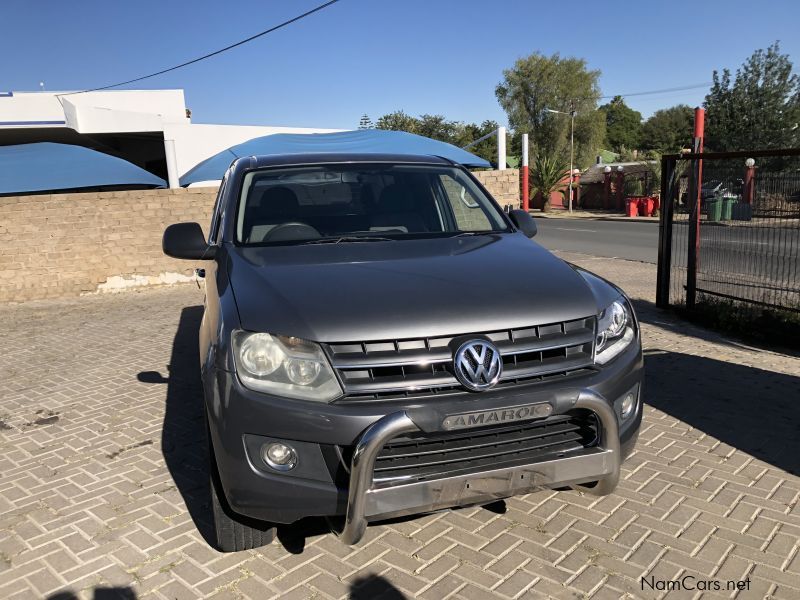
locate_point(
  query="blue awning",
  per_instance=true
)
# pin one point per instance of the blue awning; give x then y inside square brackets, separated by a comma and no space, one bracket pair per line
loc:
[47,166]
[363,141]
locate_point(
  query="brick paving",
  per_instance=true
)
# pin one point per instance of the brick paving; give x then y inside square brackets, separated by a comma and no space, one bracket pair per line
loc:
[103,495]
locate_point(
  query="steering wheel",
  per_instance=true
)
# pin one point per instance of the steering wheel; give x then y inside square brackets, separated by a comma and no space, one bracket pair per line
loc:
[293,230]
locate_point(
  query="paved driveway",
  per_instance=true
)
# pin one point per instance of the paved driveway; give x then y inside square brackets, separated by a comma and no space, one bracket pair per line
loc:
[103,484]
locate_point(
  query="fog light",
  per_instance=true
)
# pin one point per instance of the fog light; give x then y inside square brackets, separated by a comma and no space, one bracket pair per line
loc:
[279,456]
[628,404]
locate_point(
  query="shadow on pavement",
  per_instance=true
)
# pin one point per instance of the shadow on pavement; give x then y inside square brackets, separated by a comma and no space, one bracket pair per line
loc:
[754,410]
[183,438]
[99,593]
[373,587]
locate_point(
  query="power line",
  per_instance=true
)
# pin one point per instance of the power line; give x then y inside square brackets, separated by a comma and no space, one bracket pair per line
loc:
[662,91]
[210,54]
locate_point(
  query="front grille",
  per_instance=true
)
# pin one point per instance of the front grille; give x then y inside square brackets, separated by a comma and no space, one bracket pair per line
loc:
[403,368]
[431,456]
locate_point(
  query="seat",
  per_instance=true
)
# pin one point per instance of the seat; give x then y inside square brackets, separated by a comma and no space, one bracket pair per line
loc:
[277,205]
[396,209]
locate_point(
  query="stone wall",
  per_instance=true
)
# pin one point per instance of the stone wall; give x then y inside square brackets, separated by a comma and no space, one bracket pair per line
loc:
[57,245]
[69,244]
[503,185]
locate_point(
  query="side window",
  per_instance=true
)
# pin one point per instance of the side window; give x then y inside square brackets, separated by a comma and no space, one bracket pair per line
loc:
[466,209]
[216,217]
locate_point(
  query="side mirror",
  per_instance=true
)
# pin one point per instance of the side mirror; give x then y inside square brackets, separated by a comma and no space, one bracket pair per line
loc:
[186,240]
[524,222]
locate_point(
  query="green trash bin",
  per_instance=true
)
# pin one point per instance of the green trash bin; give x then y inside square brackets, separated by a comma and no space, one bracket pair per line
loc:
[727,207]
[714,209]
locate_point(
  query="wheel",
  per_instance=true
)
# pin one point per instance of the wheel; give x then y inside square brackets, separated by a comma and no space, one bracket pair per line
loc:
[234,533]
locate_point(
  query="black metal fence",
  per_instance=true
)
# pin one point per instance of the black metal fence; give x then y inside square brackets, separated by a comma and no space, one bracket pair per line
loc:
[730,229]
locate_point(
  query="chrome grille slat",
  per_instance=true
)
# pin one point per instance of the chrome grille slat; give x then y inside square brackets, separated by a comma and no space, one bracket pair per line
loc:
[371,369]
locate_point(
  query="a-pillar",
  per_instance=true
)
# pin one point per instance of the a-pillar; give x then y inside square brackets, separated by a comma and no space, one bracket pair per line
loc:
[620,185]
[607,188]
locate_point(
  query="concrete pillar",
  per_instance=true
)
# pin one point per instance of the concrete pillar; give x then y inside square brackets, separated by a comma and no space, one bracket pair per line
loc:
[607,187]
[525,175]
[172,164]
[501,148]
[749,181]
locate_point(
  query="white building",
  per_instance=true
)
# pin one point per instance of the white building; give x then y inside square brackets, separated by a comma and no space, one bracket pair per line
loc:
[150,128]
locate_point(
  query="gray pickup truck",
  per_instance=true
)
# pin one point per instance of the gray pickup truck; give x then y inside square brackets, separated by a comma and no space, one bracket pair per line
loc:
[381,339]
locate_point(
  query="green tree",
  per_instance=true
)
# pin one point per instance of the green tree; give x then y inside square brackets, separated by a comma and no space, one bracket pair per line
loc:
[437,127]
[540,82]
[398,121]
[365,122]
[623,125]
[668,130]
[759,109]
[547,174]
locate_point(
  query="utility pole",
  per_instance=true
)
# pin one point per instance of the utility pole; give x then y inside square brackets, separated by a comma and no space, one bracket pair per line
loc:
[571,114]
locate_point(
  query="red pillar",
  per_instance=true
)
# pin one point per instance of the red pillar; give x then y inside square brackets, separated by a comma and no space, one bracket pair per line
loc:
[606,187]
[749,181]
[620,185]
[576,184]
[693,254]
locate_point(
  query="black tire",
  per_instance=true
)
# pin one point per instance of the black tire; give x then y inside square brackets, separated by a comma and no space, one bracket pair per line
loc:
[234,533]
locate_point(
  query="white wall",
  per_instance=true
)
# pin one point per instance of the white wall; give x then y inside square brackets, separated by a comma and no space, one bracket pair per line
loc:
[96,112]
[197,142]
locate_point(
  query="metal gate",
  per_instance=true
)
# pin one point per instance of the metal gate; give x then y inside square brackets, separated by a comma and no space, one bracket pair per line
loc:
[730,229]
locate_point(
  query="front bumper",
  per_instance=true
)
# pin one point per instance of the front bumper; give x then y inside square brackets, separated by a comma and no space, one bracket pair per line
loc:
[366,502]
[241,420]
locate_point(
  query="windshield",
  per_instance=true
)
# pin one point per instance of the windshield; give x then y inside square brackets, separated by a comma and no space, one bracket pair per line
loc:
[362,202]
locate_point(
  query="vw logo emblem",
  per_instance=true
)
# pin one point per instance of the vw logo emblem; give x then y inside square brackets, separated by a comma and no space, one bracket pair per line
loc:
[478,365]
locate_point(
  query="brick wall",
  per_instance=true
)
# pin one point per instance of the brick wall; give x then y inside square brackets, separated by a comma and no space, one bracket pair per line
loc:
[503,185]
[70,244]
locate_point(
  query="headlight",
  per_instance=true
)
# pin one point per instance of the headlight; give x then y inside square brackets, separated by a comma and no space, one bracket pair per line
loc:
[614,331]
[284,366]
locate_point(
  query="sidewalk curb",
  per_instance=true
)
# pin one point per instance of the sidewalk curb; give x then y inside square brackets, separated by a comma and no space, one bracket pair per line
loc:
[598,218]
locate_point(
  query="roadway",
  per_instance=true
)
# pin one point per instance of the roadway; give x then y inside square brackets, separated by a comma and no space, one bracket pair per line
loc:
[758,261]
[611,239]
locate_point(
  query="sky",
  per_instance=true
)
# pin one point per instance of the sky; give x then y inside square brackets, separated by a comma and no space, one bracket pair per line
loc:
[377,56]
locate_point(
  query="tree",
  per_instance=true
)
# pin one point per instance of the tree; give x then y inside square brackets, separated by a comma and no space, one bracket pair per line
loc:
[547,175]
[668,130]
[437,127]
[398,121]
[623,125]
[366,122]
[539,82]
[759,109]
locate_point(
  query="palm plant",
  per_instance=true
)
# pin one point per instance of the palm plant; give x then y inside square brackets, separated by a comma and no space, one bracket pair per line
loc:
[547,176]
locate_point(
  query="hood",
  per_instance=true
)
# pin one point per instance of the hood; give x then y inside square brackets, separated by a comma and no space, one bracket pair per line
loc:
[404,289]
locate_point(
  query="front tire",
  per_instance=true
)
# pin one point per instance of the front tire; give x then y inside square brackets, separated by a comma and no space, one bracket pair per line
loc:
[232,533]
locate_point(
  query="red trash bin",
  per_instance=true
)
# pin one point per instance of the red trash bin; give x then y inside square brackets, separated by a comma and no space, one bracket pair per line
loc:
[646,206]
[632,207]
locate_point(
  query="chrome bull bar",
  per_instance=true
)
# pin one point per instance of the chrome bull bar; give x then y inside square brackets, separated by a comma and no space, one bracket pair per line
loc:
[365,502]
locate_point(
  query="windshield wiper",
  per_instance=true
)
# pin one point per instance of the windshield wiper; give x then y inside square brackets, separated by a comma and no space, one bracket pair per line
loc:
[349,238]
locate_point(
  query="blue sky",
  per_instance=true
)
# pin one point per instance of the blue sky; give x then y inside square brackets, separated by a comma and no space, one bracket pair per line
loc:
[376,56]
